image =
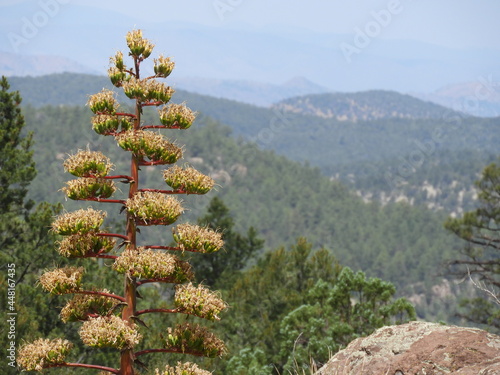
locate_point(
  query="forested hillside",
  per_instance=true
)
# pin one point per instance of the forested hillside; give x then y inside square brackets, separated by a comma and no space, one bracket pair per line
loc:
[282,199]
[363,106]
[320,221]
[430,158]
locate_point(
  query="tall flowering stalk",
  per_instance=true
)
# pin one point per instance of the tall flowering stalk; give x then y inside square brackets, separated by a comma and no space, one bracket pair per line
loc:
[108,319]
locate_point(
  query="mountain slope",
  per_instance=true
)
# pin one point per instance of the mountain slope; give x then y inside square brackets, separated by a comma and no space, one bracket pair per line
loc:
[362,106]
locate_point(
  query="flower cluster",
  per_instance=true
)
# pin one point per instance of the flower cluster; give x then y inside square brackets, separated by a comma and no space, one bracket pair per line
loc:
[146,90]
[117,72]
[187,368]
[109,331]
[110,124]
[41,353]
[198,301]
[138,45]
[82,305]
[62,280]
[149,264]
[81,245]
[103,102]
[79,222]
[188,179]
[163,66]
[88,163]
[151,208]
[176,116]
[89,187]
[200,239]
[148,144]
[192,338]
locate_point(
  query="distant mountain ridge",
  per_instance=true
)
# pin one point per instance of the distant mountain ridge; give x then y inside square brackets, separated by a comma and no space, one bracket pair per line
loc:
[363,106]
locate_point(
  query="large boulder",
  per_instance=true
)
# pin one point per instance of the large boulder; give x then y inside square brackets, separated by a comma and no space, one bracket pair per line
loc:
[419,348]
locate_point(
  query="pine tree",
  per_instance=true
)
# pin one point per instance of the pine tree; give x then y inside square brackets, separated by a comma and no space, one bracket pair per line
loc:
[17,168]
[110,319]
[480,231]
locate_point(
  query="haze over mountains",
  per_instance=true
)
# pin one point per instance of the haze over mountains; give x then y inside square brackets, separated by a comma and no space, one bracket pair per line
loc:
[253,66]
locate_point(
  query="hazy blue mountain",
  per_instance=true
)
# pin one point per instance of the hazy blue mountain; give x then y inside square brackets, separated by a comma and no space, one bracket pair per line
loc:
[264,55]
[363,106]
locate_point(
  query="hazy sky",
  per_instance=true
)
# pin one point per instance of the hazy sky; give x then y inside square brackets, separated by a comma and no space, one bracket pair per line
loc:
[452,23]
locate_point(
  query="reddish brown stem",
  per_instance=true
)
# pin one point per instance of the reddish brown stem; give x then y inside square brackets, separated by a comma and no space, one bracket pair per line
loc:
[166,191]
[151,104]
[104,294]
[119,176]
[172,350]
[160,127]
[125,114]
[95,367]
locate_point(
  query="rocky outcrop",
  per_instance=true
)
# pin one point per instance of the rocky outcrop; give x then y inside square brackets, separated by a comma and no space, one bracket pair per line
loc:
[419,348]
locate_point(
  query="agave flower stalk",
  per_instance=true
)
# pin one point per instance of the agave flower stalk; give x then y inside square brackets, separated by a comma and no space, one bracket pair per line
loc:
[109,320]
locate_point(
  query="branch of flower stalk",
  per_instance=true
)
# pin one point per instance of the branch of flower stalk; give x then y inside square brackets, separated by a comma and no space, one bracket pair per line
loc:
[167,191]
[125,177]
[173,350]
[95,367]
[151,104]
[104,294]
[171,248]
[161,126]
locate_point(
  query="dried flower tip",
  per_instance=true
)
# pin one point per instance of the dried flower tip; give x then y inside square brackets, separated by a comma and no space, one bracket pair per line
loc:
[81,245]
[62,280]
[103,102]
[163,66]
[117,61]
[192,338]
[176,116]
[109,331]
[79,222]
[89,187]
[152,208]
[201,239]
[138,45]
[199,301]
[88,163]
[42,353]
[151,145]
[149,264]
[188,179]
[81,306]
[187,368]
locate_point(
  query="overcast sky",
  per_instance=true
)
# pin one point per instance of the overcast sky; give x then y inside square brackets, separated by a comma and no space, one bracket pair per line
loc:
[452,23]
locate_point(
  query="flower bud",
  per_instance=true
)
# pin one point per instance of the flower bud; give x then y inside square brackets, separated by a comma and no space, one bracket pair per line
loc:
[163,66]
[103,102]
[176,115]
